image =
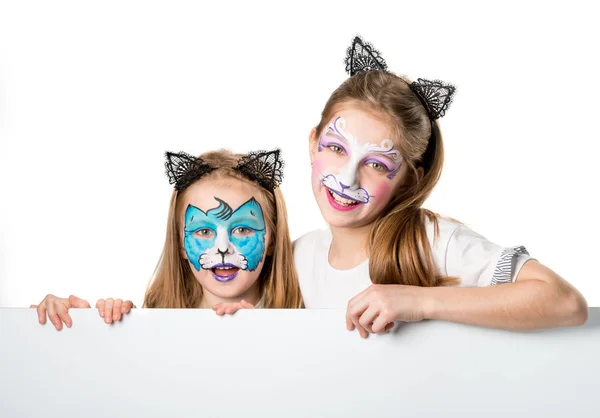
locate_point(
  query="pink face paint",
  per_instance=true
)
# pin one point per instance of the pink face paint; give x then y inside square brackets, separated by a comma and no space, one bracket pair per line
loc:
[318,167]
[383,189]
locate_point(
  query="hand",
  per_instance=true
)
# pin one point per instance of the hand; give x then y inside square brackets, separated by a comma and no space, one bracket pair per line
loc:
[58,310]
[375,309]
[113,309]
[231,307]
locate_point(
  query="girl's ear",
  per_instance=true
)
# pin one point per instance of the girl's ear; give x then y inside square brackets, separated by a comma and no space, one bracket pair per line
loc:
[312,144]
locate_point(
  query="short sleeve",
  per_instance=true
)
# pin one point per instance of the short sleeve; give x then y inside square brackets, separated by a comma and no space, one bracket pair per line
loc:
[478,262]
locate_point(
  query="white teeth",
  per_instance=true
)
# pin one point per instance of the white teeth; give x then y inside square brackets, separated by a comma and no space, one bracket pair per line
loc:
[223,268]
[342,200]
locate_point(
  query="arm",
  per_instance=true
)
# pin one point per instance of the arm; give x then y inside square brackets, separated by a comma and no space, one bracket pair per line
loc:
[539,298]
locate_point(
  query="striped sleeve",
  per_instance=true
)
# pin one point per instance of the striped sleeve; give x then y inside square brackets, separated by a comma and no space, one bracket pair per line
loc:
[478,262]
[508,264]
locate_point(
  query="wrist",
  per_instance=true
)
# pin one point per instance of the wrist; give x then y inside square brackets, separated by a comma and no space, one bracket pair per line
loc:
[430,304]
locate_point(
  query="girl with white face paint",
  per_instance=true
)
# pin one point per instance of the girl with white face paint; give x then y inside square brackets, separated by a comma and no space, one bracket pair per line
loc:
[376,155]
[227,245]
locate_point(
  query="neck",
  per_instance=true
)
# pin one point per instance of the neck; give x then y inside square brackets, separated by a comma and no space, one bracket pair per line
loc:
[348,246]
[252,295]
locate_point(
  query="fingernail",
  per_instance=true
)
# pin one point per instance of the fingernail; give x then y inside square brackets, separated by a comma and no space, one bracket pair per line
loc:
[115,317]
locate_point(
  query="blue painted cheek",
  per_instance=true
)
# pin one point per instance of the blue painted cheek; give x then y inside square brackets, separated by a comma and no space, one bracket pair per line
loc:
[195,247]
[252,247]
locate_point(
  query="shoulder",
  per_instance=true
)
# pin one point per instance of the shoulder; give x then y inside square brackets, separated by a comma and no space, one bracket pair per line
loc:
[441,229]
[461,252]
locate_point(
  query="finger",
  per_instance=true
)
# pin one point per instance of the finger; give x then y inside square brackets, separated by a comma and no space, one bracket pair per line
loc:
[101,305]
[356,322]
[233,308]
[78,302]
[108,310]
[33,306]
[220,311]
[41,311]
[127,306]
[356,300]
[246,305]
[349,323]
[368,317]
[382,324]
[363,332]
[217,306]
[116,313]
[355,311]
[63,313]
[53,316]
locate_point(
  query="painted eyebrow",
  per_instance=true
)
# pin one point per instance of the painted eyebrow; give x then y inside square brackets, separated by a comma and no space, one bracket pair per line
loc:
[382,154]
[246,222]
[334,132]
[201,223]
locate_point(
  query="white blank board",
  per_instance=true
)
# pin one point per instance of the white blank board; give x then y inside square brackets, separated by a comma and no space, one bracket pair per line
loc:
[290,363]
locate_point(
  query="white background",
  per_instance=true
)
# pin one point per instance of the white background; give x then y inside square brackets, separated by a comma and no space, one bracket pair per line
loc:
[93,93]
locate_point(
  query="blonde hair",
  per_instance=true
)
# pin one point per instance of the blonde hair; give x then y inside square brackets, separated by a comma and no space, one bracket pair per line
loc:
[399,250]
[173,284]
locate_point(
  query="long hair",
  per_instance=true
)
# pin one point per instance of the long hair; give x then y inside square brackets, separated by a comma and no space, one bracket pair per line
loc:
[173,284]
[398,248]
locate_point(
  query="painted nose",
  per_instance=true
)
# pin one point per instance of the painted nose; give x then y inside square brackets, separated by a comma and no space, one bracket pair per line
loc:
[352,186]
[222,252]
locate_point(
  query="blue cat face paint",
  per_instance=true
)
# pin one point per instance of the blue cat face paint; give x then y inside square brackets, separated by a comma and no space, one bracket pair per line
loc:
[225,240]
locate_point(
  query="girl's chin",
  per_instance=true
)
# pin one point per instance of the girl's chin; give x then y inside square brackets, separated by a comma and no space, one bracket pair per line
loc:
[351,219]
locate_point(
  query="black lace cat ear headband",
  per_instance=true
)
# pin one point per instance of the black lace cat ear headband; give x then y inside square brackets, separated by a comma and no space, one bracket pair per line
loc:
[262,167]
[436,96]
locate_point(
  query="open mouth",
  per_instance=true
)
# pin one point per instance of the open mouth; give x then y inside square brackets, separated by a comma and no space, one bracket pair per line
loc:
[341,202]
[224,272]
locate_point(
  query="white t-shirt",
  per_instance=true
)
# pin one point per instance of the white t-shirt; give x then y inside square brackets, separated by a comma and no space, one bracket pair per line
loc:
[457,251]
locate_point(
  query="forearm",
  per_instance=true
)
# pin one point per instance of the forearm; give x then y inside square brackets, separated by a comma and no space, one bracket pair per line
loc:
[526,305]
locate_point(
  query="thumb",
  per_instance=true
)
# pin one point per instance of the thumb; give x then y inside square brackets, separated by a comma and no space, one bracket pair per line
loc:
[76,302]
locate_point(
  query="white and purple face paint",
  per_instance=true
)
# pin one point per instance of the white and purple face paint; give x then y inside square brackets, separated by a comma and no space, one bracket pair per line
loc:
[345,183]
[224,240]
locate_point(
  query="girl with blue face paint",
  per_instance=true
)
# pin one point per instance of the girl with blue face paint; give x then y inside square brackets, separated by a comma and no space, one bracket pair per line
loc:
[227,245]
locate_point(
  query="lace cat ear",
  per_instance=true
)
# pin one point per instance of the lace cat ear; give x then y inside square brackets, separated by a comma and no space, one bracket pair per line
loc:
[183,169]
[264,167]
[361,56]
[435,95]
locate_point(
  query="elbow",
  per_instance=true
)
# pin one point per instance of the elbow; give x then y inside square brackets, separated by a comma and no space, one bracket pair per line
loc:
[573,308]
